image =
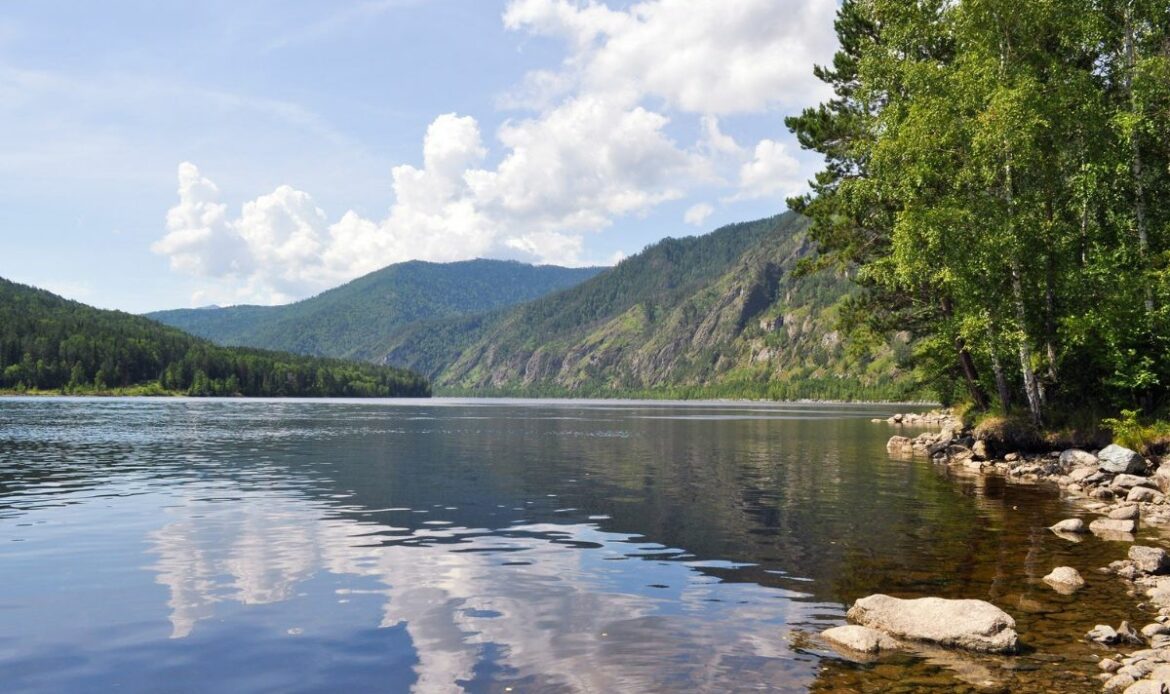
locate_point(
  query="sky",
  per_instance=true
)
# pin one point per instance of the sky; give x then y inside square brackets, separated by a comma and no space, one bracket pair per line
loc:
[170,154]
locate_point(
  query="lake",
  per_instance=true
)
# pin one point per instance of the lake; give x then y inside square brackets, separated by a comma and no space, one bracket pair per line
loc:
[189,545]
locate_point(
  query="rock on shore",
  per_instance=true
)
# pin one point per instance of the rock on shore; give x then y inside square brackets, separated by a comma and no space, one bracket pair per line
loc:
[938,418]
[969,624]
[1116,459]
[1120,486]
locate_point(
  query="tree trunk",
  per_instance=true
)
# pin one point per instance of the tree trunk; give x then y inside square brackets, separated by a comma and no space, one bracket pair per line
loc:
[970,375]
[1031,385]
[1050,319]
[967,365]
[1001,384]
[1136,167]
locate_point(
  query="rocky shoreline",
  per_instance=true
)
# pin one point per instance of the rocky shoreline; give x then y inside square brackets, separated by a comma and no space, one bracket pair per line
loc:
[1124,489]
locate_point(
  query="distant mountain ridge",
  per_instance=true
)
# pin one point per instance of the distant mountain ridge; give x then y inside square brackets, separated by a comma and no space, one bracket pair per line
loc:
[717,315]
[356,319]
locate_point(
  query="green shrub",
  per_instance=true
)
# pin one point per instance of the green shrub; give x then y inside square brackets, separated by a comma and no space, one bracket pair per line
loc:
[1128,431]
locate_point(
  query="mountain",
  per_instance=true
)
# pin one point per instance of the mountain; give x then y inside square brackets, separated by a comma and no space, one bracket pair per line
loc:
[51,343]
[710,316]
[358,319]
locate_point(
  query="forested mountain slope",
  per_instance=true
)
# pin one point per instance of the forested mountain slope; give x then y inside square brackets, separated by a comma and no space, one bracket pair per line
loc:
[51,343]
[715,315]
[357,319]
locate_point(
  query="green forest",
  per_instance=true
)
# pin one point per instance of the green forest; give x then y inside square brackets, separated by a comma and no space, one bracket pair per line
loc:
[357,319]
[51,344]
[720,315]
[997,180]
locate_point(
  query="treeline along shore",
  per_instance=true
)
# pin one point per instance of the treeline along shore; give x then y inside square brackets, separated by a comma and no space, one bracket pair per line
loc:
[50,344]
[997,180]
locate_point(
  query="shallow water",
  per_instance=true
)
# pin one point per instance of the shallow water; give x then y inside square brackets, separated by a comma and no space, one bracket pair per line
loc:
[228,545]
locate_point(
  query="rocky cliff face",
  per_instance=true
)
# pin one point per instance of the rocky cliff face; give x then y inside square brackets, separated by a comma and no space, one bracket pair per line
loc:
[748,324]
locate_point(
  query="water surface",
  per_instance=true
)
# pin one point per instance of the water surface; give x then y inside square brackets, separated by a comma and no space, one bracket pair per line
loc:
[229,545]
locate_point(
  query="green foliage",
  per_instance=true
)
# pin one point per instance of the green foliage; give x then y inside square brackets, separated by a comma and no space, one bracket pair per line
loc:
[998,177]
[50,344]
[1129,431]
[722,315]
[358,319]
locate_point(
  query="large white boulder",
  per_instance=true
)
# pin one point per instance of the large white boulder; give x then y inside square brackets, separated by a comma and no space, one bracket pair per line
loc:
[970,624]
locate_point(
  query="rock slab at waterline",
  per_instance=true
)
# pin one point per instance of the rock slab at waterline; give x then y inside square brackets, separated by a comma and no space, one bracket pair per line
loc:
[972,625]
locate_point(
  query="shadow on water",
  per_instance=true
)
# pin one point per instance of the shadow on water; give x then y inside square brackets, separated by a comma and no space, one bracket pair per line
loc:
[482,545]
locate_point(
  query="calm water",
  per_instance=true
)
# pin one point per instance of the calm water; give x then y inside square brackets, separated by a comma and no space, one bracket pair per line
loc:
[210,546]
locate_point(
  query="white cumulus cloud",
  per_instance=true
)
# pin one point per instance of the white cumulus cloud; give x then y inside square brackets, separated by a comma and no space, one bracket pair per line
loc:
[595,140]
[703,56]
[200,240]
[697,214]
[771,173]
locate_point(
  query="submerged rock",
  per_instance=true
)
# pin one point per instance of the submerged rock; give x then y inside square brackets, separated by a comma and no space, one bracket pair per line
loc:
[1065,579]
[1114,458]
[971,624]
[859,638]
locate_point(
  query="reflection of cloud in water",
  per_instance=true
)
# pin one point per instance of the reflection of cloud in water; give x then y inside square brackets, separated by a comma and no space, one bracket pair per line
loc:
[566,606]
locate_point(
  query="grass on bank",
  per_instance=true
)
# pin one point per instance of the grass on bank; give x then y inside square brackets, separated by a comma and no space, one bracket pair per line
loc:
[152,388]
[1149,436]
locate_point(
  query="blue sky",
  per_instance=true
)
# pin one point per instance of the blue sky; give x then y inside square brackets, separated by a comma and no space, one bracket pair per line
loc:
[163,154]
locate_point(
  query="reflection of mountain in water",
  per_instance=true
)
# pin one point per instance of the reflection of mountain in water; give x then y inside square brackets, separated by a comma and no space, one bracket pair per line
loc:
[569,606]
